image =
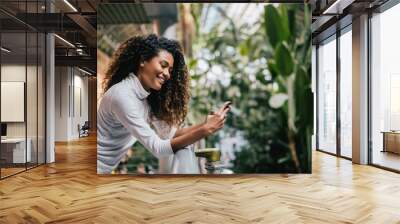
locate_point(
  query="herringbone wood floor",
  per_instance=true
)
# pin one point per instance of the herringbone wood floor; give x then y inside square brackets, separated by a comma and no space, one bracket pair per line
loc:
[69,191]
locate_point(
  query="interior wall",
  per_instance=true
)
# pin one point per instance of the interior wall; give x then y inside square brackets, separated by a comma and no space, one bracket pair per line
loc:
[71,102]
[80,109]
[61,103]
[33,125]
[15,72]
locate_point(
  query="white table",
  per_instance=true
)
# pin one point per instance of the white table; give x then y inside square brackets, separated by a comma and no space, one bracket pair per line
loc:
[18,149]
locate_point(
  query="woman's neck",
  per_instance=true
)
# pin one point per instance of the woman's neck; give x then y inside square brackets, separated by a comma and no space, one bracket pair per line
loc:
[142,82]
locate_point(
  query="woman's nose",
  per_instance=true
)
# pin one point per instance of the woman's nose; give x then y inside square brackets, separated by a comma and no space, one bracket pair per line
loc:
[167,74]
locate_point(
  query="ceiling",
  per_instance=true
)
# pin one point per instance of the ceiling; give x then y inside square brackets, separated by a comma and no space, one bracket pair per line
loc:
[332,15]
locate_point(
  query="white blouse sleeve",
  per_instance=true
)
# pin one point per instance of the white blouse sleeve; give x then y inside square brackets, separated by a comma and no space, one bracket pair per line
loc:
[126,111]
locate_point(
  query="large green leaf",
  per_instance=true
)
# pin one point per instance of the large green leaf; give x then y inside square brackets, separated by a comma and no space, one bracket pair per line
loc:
[272,68]
[303,98]
[284,14]
[305,50]
[284,60]
[292,25]
[277,30]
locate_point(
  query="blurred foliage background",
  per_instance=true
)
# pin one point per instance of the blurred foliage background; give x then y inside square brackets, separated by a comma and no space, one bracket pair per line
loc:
[264,68]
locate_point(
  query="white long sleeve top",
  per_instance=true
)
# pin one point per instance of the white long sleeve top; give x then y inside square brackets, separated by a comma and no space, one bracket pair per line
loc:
[184,161]
[123,119]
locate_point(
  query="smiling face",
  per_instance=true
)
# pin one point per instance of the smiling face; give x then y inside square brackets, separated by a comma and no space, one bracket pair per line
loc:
[156,71]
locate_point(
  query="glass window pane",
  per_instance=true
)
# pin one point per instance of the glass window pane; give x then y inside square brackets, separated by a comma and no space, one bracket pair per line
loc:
[31,97]
[15,150]
[385,114]
[346,94]
[41,98]
[23,85]
[327,97]
[32,83]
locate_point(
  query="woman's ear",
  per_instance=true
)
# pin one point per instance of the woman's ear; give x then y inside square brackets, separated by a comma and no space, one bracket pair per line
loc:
[141,64]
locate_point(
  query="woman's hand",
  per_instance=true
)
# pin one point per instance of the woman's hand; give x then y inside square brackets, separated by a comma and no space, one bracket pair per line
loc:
[216,120]
[213,123]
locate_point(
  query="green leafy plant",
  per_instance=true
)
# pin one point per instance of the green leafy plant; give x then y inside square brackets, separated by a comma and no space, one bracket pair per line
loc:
[290,38]
[269,85]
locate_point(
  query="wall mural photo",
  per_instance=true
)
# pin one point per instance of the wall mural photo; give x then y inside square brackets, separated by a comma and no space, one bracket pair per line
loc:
[204,88]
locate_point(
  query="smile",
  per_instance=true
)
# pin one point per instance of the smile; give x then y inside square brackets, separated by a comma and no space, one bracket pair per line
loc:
[161,79]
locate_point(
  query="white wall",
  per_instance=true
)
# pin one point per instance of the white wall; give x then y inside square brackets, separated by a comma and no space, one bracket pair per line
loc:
[33,127]
[61,103]
[12,73]
[70,83]
[80,98]
[15,72]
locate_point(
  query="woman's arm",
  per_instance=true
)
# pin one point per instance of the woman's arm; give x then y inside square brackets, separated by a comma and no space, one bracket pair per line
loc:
[140,129]
[214,123]
[181,131]
[190,137]
[134,121]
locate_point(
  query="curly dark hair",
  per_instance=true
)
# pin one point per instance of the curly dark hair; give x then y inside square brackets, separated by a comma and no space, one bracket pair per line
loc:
[169,104]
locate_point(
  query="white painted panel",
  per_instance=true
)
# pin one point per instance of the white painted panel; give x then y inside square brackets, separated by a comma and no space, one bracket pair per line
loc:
[12,101]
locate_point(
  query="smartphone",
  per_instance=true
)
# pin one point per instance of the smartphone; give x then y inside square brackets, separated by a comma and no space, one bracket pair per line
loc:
[228,103]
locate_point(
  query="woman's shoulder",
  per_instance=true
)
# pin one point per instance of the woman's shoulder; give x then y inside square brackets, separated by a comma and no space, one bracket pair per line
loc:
[119,90]
[120,96]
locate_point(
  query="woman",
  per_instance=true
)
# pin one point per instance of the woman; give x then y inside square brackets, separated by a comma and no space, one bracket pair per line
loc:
[147,81]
